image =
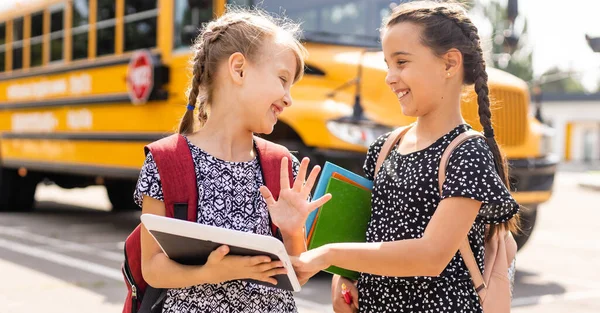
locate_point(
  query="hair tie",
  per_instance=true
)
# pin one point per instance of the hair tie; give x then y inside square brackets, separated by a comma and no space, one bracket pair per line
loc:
[190,107]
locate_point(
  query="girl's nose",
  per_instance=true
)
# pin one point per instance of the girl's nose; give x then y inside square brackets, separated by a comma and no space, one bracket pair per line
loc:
[390,79]
[287,100]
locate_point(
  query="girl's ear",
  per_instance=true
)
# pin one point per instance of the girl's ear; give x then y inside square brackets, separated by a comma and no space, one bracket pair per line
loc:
[237,64]
[453,61]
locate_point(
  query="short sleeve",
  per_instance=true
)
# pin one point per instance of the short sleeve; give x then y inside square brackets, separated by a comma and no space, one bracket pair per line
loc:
[471,173]
[148,183]
[372,155]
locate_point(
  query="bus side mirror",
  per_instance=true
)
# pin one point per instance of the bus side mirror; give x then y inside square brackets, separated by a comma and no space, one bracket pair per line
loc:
[593,42]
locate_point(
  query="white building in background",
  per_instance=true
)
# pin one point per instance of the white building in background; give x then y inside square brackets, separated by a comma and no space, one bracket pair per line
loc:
[576,120]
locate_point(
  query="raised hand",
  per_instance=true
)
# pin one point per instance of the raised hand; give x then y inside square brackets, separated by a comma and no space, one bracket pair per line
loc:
[290,211]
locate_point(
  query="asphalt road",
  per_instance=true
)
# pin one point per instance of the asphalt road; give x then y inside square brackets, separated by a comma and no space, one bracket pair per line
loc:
[66,256]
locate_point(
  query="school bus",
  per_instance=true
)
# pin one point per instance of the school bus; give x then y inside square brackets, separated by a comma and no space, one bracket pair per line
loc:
[85,84]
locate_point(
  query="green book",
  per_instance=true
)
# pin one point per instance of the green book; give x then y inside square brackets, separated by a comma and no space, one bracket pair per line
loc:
[343,219]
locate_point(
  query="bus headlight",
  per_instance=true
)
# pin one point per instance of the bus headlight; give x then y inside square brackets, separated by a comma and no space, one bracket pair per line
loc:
[361,133]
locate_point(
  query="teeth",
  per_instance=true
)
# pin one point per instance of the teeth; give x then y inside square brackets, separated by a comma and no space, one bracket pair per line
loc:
[402,94]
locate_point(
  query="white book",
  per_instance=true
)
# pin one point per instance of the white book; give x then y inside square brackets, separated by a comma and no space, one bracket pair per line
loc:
[191,243]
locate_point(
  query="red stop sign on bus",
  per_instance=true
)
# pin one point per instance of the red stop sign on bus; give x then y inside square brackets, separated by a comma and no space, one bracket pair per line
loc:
[140,77]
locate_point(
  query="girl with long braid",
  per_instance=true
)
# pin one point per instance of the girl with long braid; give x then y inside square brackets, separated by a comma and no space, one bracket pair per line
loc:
[244,65]
[410,262]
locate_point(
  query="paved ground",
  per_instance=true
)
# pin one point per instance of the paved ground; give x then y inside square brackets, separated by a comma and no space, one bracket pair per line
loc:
[65,256]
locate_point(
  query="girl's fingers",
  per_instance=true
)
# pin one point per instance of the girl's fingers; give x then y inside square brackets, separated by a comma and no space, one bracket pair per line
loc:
[299,182]
[255,260]
[269,266]
[284,175]
[266,193]
[275,271]
[310,182]
[340,305]
[262,277]
[319,202]
[353,292]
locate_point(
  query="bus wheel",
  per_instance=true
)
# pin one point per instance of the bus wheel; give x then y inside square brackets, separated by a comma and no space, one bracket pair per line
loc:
[120,194]
[528,218]
[17,194]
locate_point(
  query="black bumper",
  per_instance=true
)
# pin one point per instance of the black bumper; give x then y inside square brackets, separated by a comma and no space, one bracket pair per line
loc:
[532,174]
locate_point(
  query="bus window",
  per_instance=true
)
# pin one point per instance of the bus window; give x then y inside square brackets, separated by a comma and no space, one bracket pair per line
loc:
[140,24]
[352,22]
[80,29]
[189,17]
[17,44]
[105,26]
[36,41]
[2,46]
[56,33]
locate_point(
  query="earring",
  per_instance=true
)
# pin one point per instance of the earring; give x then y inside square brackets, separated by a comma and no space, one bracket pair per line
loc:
[448,74]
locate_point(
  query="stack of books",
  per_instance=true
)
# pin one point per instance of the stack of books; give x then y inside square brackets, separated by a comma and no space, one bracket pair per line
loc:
[345,217]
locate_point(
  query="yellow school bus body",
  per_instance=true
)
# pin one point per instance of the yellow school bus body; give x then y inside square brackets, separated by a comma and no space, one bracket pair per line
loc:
[74,122]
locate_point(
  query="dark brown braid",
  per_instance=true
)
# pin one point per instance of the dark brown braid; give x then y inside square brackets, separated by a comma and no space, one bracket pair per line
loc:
[446,26]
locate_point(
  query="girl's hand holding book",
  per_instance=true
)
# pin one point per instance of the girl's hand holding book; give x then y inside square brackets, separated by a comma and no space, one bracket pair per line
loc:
[292,208]
[310,262]
[221,267]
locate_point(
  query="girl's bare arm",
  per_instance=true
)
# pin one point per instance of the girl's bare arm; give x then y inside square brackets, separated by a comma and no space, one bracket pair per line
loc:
[158,270]
[426,256]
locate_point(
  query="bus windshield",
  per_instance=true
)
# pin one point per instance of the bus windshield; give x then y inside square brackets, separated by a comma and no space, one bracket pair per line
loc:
[343,22]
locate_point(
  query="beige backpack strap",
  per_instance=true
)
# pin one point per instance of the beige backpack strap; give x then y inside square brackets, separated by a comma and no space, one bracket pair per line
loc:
[465,247]
[391,141]
[460,139]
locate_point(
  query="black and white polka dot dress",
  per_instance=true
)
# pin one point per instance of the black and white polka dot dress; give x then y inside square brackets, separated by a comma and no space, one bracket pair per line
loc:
[228,197]
[405,196]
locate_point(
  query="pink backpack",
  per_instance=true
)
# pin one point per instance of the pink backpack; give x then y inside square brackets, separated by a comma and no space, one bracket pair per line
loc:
[495,285]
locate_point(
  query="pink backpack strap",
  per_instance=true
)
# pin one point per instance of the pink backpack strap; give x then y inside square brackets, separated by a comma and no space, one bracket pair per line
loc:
[270,155]
[178,177]
[390,142]
[465,247]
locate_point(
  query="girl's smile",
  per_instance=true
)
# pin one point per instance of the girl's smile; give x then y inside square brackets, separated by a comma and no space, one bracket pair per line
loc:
[277,110]
[400,93]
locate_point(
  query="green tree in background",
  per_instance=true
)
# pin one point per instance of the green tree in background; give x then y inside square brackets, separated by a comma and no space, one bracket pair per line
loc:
[519,61]
[556,80]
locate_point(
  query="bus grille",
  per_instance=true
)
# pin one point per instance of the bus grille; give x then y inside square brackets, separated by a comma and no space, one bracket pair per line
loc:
[509,114]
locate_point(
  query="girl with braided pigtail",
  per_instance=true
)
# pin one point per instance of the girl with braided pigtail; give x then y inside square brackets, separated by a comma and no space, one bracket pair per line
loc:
[244,65]
[410,262]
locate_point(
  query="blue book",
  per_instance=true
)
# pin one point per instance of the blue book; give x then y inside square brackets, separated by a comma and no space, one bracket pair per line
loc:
[326,174]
